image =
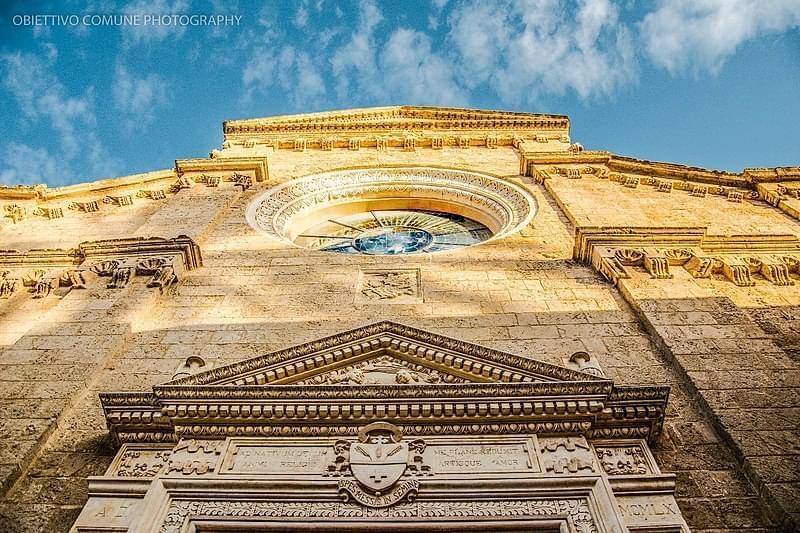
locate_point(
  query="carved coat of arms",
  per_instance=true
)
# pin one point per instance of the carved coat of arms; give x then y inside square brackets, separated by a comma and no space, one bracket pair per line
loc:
[377,461]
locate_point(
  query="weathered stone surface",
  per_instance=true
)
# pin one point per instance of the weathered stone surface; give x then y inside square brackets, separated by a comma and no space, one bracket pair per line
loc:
[729,352]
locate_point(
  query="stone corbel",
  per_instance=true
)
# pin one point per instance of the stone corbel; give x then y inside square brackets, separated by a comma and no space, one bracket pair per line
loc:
[7,285]
[777,270]
[39,284]
[241,180]
[119,201]
[208,180]
[87,207]
[656,264]
[152,194]
[49,212]
[183,182]
[700,267]
[119,272]
[15,212]
[737,270]
[161,269]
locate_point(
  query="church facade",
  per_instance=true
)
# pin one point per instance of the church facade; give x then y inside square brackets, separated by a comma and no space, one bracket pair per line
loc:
[402,319]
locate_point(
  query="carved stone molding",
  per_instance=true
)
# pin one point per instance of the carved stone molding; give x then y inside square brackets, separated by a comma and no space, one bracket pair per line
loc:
[499,204]
[576,510]
[44,271]
[774,258]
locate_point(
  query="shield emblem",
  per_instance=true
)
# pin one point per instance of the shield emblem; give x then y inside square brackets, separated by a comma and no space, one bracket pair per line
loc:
[379,464]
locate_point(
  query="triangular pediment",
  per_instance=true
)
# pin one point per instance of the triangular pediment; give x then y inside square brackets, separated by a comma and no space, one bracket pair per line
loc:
[384,353]
[424,382]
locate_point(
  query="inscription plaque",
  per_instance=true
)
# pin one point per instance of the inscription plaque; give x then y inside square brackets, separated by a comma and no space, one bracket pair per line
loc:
[643,511]
[486,458]
[277,459]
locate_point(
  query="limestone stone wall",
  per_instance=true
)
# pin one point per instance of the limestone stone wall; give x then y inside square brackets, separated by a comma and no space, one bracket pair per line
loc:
[732,426]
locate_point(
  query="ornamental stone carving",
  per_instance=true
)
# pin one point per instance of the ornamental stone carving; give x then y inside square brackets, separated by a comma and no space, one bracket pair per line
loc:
[194,457]
[566,455]
[377,460]
[500,204]
[622,460]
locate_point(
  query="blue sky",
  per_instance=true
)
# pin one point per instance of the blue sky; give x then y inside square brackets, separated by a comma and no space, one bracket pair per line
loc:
[711,83]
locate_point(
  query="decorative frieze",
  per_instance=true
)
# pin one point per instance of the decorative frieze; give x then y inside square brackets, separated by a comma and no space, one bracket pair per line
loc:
[117,260]
[136,461]
[743,260]
[577,510]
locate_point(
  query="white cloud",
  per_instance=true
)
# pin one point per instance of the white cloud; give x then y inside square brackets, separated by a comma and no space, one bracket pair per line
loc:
[523,50]
[293,72]
[43,100]
[701,34]
[41,96]
[402,69]
[27,165]
[353,63]
[138,98]
[413,73]
[301,16]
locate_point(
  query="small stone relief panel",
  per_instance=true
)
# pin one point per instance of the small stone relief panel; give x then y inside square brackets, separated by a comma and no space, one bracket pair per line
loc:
[389,286]
[195,457]
[566,455]
[642,512]
[139,460]
[107,514]
[625,458]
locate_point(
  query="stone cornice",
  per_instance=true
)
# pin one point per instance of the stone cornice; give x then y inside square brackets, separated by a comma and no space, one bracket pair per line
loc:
[257,165]
[42,193]
[747,179]
[394,119]
[101,250]
[612,250]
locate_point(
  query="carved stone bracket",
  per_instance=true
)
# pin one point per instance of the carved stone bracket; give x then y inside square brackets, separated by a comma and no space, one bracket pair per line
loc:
[44,271]
[738,259]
